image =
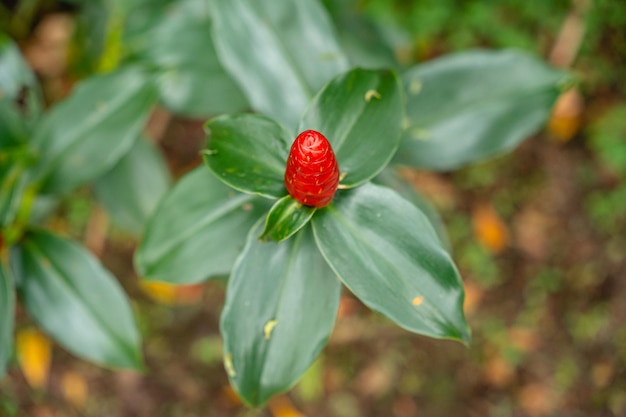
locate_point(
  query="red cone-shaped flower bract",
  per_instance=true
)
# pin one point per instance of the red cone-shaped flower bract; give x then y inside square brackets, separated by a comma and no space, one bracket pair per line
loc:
[312,173]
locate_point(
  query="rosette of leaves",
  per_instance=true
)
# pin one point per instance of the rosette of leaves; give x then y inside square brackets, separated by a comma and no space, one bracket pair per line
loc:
[283,291]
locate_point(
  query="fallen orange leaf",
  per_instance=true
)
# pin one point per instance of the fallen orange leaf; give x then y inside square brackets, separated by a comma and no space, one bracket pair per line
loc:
[281,406]
[565,120]
[171,294]
[33,350]
[489,228]
[74,388]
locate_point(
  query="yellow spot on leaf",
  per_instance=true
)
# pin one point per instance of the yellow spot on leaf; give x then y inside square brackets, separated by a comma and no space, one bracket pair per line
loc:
[269,326]
[34,353]
[415,87]
[74,388]
[419,134]
[370,94]
[228,365]
[417,301]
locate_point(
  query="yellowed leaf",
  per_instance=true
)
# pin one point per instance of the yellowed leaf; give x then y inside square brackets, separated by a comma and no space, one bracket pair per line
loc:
[489,228]
[74,388]
[170,294]
[566,117]
[33,350]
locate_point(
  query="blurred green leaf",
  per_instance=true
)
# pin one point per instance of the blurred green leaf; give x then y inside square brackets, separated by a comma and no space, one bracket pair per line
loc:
[17,82]
[191,80]
[281,304]
[7,315]
[473,105]
[131,190]
[280,53]
[249,153]
[286,217]
[197,230]
[13,181]
[360,113]
[87,134]
[607,139]
[13,128]
[363,39]
[390,178]
[15,158]
[386,252]
[77,301]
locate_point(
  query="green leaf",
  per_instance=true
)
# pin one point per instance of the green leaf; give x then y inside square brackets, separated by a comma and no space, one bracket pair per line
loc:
[473,105]
[386,252]
[77,301]
[367,42]
[249,153]
[15,159]
[17,81]
[285,218]
[7,315]
[280,53]
[360,113]
[131,190]
[390,178]
[191,80]
[281,304]
[86,134]
[13,182]
[197,230]
[13,128]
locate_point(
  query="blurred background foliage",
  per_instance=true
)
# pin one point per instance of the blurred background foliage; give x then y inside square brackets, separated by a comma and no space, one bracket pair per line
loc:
[538,235]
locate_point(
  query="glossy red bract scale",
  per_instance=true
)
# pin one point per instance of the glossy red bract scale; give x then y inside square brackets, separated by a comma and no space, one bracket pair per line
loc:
[312,174]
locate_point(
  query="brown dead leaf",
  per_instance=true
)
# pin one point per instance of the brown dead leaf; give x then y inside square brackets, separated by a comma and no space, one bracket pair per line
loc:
[523,339]
[74,388]
[374,381]
[537,399]
[489,228]
[602,373]
[498,371]
[532,231]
